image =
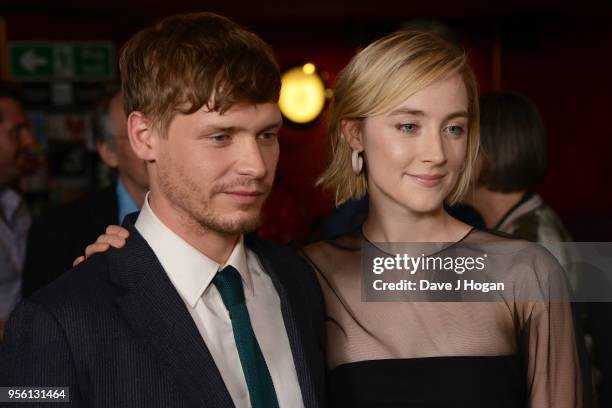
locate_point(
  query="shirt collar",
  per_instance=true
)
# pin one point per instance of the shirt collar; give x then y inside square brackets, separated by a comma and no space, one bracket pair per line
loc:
[124,200]
[190,271]
[9,203]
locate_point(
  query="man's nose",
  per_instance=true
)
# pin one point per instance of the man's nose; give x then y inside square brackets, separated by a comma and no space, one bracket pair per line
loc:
[251,162]
[26,138]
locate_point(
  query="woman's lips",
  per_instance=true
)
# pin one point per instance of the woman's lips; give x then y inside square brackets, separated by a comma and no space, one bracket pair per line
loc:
[428,180]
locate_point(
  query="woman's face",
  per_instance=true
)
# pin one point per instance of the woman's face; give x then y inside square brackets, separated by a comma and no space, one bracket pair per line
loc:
[414,154]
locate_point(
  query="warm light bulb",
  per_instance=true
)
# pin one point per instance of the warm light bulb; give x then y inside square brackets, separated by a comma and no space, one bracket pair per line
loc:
[302,95]
[309,68]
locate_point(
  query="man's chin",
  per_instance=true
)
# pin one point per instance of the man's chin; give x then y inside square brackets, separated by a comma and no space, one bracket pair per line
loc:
[237,225]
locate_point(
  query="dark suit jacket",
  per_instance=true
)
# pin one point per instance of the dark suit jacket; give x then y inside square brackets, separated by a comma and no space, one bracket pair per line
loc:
[62,234]
[116,331]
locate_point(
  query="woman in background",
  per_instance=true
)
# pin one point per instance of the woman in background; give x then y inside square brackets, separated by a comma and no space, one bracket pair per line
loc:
[404,129]
[512,161]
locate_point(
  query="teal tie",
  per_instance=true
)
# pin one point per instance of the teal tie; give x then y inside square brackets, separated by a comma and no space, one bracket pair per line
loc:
[256,374]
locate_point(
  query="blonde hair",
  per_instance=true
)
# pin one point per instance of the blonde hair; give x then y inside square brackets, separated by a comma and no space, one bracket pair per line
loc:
[379,78]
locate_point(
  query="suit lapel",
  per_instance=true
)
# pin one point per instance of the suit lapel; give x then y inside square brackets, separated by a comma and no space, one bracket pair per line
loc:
[157,314]
[298,328]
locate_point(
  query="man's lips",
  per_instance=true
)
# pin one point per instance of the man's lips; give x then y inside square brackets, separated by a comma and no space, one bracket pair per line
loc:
[245,196]
[245,192]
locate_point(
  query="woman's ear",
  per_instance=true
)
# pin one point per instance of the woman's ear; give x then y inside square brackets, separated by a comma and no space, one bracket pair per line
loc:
[351,130]
[142,136]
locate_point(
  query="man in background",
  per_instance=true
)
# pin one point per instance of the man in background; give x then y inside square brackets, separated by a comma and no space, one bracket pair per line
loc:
[15,139]
[60,235]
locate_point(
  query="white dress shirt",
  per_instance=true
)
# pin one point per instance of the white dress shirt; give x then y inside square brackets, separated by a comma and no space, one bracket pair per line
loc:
[191,273]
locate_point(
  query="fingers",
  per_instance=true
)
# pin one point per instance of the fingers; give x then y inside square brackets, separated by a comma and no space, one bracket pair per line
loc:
[118,231]
[115,237]
[95,248]
[113,240]
[78,260]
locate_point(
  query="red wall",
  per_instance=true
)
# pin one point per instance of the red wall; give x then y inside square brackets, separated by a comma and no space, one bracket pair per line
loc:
[562,63]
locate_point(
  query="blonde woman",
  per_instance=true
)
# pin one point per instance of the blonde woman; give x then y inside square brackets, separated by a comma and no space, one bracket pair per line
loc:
[404,129]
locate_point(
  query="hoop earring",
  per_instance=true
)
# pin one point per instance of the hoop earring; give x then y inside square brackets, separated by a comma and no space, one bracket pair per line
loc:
[357,162]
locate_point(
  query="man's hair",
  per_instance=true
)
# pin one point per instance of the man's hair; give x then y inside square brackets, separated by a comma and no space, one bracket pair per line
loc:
[513,141]
[12,91]
[102,126]
[192,60]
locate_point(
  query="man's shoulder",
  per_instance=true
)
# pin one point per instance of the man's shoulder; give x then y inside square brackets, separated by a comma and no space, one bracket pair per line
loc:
[82,284]
[268,250]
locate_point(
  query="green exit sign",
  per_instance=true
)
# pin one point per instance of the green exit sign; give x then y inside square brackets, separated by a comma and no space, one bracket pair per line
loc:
[35,61]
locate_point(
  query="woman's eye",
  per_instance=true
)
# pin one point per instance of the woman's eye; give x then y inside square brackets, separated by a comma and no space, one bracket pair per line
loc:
[455,130]
[407,127]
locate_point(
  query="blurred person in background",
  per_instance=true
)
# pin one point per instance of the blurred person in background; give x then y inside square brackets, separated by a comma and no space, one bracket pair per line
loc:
[512,161]
[50,254]
[15,138]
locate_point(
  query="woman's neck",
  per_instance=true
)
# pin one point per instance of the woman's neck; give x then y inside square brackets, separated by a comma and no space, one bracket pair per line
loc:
[403,225]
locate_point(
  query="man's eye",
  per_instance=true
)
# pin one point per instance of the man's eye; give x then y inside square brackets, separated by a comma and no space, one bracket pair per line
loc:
[408,127]
[268,136]
[219,138]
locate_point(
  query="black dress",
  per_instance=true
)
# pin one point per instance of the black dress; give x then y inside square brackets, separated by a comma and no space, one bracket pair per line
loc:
[508,352]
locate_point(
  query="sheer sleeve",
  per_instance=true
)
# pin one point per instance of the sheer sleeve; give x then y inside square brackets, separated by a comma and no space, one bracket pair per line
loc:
[548,339]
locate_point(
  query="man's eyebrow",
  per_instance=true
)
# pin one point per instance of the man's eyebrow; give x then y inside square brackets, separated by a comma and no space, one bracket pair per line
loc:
[274,125]
[219,129]
[235,129]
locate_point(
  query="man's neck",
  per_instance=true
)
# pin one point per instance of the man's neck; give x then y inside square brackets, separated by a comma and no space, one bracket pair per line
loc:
[215,245]
[493,205]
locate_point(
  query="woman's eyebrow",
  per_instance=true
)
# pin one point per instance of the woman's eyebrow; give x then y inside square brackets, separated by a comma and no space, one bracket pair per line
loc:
[459,114]
[415,112]
[407,111]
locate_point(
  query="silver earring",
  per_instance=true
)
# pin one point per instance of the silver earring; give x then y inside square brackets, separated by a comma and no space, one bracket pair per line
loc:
[357,162]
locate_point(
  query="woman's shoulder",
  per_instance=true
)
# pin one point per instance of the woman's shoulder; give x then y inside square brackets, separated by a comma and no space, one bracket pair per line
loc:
[501,243]
[485,235]
[519,260]
[343,243]
[334,254]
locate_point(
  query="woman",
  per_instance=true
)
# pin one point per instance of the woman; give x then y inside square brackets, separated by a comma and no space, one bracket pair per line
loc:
[512,162]
[404,129]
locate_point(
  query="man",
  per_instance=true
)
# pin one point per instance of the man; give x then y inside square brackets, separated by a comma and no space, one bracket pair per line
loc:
[50,254]
[192,312]
[15,139]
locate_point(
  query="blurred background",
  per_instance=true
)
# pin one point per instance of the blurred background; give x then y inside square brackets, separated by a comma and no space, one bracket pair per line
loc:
[560,55]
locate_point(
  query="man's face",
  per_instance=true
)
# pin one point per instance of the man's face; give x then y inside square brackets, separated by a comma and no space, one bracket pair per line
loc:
[217,169]
[128,164]
[15,139]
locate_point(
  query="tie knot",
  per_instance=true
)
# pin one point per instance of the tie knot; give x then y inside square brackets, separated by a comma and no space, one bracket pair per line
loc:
[229,285]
